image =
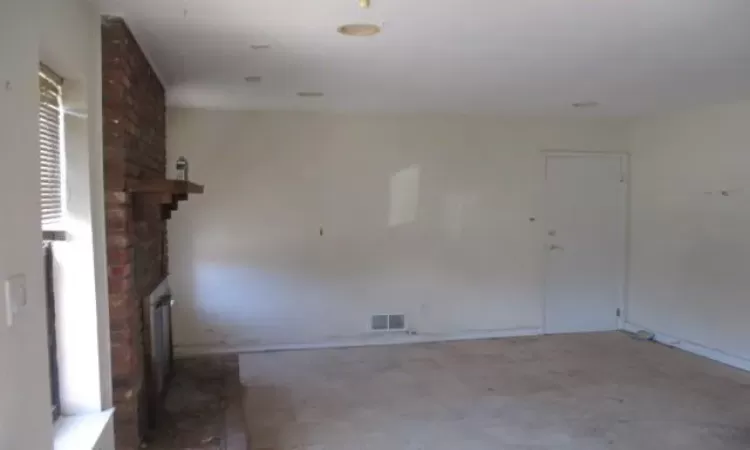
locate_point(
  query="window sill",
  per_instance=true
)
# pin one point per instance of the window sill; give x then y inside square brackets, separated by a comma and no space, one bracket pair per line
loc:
[82,432]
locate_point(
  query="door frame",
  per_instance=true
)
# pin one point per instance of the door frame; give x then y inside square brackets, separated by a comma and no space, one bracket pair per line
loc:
[625,276]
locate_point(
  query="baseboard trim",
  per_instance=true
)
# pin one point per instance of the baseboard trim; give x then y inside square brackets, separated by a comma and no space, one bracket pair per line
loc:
[692,347]
[368,341]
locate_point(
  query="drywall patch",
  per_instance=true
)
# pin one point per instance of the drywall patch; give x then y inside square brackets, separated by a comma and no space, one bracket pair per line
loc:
[404,196]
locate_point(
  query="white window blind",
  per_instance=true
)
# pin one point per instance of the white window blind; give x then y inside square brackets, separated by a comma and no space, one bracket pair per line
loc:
[50,148]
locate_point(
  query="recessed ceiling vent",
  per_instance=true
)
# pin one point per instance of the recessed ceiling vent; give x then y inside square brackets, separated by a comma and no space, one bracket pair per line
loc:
[586,104]
[359,29]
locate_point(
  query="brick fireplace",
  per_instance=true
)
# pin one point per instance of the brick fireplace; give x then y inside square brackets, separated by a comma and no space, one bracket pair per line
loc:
[134,149]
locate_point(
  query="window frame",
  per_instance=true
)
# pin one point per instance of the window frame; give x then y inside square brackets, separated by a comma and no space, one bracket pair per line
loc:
[54,366]
[52,231]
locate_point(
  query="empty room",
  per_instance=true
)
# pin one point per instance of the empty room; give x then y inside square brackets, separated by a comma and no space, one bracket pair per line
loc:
[375,224]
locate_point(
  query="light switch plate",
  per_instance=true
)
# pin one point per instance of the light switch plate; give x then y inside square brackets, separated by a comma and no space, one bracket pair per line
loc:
[15,297]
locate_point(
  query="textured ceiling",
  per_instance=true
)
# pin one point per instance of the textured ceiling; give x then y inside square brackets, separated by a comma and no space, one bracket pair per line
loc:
[533,57]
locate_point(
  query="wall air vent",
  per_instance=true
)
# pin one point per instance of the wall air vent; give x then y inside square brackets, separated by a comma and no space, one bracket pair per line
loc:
[379,323]
[396,322]
[388,322]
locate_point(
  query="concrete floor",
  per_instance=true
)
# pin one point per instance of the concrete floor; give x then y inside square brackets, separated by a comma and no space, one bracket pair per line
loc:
[203,407]
[565,392]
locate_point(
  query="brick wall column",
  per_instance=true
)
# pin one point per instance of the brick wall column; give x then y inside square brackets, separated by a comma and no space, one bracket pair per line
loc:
[134,148]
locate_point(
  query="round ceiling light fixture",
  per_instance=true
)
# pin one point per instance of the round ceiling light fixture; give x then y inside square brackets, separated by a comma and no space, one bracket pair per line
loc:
[359,29]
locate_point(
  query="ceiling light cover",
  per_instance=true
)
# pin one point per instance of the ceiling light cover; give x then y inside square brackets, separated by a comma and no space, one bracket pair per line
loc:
[359,29]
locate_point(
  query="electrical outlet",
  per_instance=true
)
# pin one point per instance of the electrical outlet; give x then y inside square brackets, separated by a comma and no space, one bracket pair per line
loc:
[15,297]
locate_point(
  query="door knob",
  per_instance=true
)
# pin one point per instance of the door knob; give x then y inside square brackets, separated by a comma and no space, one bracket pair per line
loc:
[554,247]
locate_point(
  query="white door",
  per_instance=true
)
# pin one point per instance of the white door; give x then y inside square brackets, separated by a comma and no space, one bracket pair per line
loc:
[585,215]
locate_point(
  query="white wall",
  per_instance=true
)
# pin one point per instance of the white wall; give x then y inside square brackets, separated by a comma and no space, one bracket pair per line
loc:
[250,268]
[690,248]
[70,46]
[24,386]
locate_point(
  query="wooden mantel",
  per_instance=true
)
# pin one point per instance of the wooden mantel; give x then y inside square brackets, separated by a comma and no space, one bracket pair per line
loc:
[170,192]
[163,187]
